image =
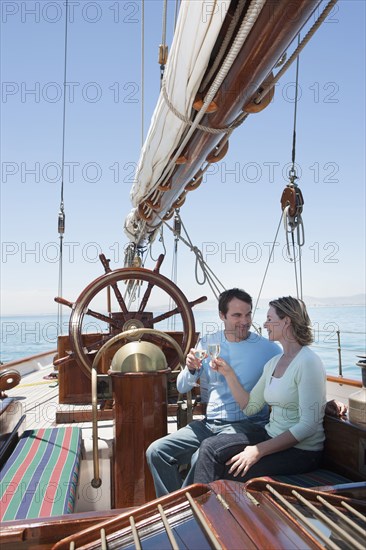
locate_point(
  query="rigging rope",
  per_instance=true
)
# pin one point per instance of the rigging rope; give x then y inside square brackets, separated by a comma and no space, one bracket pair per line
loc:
[174,273]
[298,50]
[142,69]
[61,214]
[134,257]
[177,6]
[293,156]
[294,221]
[161,240]
[267,266]
[208,275]
[295,268]
[163,33]
[238,11]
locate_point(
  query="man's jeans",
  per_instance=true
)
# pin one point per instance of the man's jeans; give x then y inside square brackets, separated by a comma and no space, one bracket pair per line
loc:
[165,455]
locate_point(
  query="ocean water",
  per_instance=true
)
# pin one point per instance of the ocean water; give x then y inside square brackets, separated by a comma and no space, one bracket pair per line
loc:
[22,336]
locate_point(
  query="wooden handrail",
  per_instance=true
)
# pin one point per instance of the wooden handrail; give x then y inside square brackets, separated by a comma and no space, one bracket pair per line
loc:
[344,381]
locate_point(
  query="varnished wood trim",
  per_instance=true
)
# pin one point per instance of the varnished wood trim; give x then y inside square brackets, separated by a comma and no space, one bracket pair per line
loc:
[18,362]
[344,381]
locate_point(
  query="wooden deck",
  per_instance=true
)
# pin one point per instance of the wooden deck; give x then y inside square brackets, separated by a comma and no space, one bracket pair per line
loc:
[38,397]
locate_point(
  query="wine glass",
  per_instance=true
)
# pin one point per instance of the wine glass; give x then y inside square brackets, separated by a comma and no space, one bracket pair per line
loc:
[214,352]
[201,354]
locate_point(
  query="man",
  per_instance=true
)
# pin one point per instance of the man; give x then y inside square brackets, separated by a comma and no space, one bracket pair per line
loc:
[247,353]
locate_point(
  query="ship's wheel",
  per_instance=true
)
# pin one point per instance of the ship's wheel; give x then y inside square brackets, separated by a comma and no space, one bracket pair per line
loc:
[130,281]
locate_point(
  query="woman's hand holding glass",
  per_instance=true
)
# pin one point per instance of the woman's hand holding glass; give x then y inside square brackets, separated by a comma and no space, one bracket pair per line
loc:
[221,366]
[214,351]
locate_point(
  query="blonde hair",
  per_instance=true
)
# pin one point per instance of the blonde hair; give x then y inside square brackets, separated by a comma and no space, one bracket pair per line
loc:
[295,309]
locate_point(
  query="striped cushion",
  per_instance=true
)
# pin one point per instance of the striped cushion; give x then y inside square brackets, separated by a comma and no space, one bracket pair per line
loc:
[40,477]
[313,479]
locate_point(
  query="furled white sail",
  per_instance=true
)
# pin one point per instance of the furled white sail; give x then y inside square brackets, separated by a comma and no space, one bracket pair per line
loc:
[198,26]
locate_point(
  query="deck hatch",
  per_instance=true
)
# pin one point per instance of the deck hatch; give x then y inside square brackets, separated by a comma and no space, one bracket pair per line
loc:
[280,516]
[328,523]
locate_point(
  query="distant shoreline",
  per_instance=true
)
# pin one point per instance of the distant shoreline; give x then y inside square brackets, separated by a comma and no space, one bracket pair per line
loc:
[356,300]
[212,306]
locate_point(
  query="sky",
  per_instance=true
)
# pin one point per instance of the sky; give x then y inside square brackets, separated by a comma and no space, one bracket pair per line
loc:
[233,216]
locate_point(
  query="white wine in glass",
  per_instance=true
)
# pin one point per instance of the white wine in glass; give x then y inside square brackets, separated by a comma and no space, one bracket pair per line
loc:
[213,350]
[200,354]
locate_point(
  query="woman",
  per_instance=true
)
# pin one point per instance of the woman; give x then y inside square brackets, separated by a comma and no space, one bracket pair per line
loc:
[293,384]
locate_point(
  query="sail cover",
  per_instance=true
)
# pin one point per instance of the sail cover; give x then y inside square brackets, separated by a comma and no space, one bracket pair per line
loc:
[198,27]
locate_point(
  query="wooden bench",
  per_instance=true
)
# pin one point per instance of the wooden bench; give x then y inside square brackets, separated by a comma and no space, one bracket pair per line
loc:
[344,459]
[40,477]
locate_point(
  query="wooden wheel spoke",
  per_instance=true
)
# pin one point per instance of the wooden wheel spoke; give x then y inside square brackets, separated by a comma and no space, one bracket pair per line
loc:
[164,316]
[150,286]
[119,298]
[114,322]
[116,290]
[95,314]
[96,345]
[91,348]
[144,300]
[63,360]
[168,314]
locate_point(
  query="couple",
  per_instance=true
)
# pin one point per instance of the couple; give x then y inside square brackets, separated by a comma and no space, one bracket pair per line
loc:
[256,373]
